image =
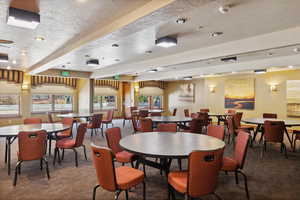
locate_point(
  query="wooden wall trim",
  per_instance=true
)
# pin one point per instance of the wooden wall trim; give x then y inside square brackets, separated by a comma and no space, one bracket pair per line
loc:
[107,83]
[43,80]
[159,84]
[15,76]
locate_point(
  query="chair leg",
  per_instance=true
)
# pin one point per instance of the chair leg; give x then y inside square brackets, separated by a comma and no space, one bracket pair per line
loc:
[246,183]
[217,196]
[123,122]
[55,154]
[63,154]
[294,145]
[76,158]
[171,193]
[132,165]
[84,150]
[94,191]
[236,177]
[144,190]
[16,172]
[117,194]
[41,164]
[47,168]
[285,151]
[126,194]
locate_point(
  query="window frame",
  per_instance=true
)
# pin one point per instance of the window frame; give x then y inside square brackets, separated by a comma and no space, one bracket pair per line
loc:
[150,99]
[52,96]
[19,106]
[101,103]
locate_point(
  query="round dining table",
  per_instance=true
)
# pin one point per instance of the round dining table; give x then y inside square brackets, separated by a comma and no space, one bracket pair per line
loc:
[170,119]
[85,115]
[149,110]
[167,146]
[11,133]
[260,122]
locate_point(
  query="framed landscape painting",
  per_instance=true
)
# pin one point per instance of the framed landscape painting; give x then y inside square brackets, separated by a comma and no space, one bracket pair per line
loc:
[293,98]
[240,93]
[187,92]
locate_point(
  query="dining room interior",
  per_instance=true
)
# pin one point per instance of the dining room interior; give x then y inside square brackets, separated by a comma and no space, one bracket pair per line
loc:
[149,99]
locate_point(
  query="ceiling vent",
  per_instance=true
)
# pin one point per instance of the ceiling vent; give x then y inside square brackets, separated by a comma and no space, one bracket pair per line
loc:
[23,18]
[93,62]
[3,58]
[229,59]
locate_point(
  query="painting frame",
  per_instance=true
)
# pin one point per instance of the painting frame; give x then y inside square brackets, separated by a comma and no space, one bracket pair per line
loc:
[187,92]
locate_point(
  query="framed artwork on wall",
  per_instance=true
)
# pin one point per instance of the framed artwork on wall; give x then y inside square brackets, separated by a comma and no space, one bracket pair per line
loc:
[240,93]
[187,92]
[293,98]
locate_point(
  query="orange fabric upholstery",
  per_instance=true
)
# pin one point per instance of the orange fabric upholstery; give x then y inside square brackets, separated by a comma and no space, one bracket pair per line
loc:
[32,145]
[65,143]
[124,156]
[109,178]
[202,175]
[174,112]
[145,125]
[143,113]
[204,110]
[196,126]
[229,164]
[109,116]
[128,177]
[186,113]
[113,137]
[68,132]
[216,131]
[95,122]
[33,120]
[167,127]
[274,131]
[103,163]
[270,115]
[81,130]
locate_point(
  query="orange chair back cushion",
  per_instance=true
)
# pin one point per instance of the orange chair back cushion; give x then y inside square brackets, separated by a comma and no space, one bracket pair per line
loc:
[241,146]
[81,130]
[274,131]
[216,131]
[146,125]
[113,137]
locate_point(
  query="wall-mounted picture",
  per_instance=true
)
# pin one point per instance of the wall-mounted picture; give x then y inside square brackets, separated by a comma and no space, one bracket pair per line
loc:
[293,98]
[187,92]
[240,93]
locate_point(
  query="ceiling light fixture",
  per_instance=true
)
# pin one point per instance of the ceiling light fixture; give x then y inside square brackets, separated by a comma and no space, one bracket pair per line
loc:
[215,34]
[224,9]
[3,58]
[296,50]
[260,71]
[188,78]
[117,60]
[23,53]
[149,51]
[14,62]
[166,42]
[39,38]
[229,59]
[181,20]
[115,45]
[22,18]
[8,67]
[291,66]
[92,62]
[152,70]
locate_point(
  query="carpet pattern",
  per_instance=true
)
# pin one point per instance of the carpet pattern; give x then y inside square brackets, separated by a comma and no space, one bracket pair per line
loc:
[273,177]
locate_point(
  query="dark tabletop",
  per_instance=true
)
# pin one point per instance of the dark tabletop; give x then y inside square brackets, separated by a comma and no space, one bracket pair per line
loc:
[288,122]
[170,145]
[13,130]
[170,119]
[218,114]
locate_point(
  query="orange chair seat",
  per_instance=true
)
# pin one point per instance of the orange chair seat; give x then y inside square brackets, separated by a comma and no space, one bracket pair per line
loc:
[64,134]
[229,164]
[128,177]
[178,180]
[247,126]
[124,156]
[65,143]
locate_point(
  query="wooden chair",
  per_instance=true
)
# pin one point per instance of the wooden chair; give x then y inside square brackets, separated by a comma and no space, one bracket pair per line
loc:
[186,113]
[95,124]
[109,118]
[216,131]
[174,112]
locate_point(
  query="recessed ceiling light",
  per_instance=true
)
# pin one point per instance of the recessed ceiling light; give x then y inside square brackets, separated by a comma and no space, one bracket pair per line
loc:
[296,50]
[215,34]
[291,66]
[39,38]
[14,62]
[233,72]
[223,9]
[92,62]
[187,78]
[117,60]
[200,27]
[181,20]
[270,54]
[8,67]
[3,58]
[166,42]
[152,70]
[260,71]
[115,45]
[148,51]
[23,18]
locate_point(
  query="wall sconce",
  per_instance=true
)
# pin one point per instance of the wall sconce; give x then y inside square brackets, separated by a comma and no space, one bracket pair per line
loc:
[212,89]
[273,88]
[136,88]
[25,86]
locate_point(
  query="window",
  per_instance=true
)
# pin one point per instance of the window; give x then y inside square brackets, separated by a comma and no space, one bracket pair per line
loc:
[144,101]
[48,102]
[9,105]
[104,102]
[152,102]
[63,103]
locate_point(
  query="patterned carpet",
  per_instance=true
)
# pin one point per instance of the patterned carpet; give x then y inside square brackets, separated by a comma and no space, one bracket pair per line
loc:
[272,177]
